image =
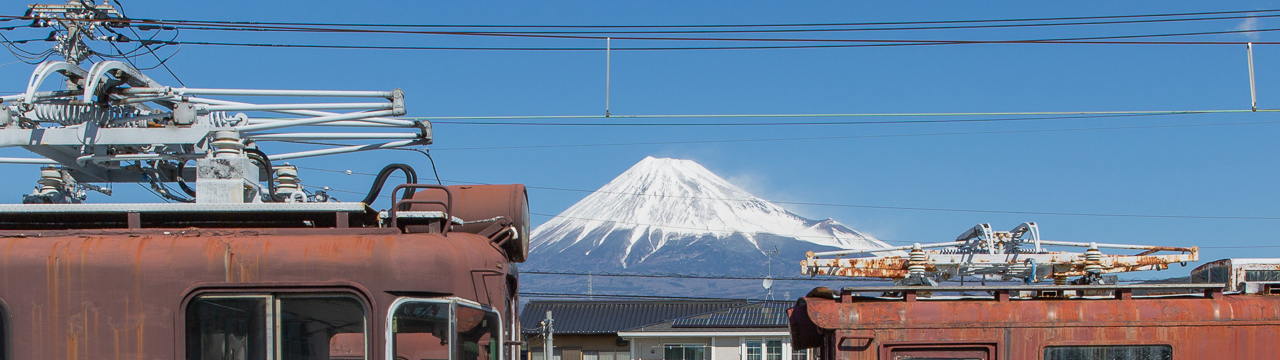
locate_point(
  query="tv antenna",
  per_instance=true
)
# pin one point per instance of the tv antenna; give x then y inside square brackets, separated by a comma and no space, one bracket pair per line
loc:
[768,278]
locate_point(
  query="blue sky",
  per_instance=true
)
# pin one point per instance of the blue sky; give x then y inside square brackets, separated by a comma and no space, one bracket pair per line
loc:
[1200,165]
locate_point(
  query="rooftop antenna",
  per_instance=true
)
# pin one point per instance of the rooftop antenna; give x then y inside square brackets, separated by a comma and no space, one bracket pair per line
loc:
[768,279]
[768,287]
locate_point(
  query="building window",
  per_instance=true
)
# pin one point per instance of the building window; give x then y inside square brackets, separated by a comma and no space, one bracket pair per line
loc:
[536,354]
[802,354]
[773,350]
[605,355]
[236,327]
[763,349]
[1126,352]
[754,350]
[440,329]
[685,352]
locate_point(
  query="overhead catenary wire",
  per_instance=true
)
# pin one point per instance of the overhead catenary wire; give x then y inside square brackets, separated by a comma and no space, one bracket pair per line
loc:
[1041,115]
[869,136]
[962,21]
[152,51]
[748,28]
[1110,39]
[738,47]
[1114,39]
[578,34]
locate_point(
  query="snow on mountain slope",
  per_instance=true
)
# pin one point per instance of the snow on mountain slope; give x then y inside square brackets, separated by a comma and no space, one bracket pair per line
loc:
[677,210]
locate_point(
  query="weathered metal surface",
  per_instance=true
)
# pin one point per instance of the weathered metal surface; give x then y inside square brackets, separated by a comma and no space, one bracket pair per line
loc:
[1234,274]
[118,294]
[1197,327]
[1005,254]
[479,206]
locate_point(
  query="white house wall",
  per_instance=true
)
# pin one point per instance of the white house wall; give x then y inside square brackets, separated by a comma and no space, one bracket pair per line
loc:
[727,348]
[720,347]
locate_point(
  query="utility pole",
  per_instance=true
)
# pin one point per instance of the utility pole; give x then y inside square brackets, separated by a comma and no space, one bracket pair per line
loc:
[608,64]
[548,330]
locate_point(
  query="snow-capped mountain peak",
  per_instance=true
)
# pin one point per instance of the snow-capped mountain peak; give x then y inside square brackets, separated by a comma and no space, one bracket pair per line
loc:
[660,202]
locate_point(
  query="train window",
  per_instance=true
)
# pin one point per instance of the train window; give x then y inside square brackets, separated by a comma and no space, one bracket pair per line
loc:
[4,331]
[424,330]
[421,330]
[1213,275]
[227,328]
[1124,352]
[309,327]
[1262,275]
[479,333]
[287,327]
[939,352]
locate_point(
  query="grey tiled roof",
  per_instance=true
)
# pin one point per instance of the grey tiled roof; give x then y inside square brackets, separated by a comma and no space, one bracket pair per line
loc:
[757,316]
[607,316]
[760,314]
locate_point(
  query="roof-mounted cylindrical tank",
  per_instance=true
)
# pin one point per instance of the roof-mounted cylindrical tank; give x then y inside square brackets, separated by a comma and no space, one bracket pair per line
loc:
[480,206]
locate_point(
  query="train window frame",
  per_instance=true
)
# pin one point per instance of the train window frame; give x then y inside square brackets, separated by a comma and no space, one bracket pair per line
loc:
[1045,356]
[6,331]
[453,303]
[271,313]
[991,348]
[1261,275]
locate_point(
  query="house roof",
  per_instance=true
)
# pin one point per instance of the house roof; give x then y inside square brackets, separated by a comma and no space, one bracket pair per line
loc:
[759,316]
[608,316]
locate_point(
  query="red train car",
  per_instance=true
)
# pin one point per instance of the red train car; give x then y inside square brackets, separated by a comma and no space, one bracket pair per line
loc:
[1039,322]
[266,280]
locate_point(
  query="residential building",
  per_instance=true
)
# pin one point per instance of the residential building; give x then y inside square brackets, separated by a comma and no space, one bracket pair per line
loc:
[662,330]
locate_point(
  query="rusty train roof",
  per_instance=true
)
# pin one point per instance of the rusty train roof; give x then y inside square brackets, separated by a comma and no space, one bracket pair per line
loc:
[1001,310]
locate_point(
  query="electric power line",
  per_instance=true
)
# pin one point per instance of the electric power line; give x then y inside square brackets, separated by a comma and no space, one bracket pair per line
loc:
[1157,16]
[351,28]
[993,132]
[967,21]
[1041,115]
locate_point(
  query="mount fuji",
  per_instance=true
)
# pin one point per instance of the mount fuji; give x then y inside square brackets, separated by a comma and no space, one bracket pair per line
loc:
[674,216]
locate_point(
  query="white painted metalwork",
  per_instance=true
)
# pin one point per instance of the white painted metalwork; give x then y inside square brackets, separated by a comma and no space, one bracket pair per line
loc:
[1006,255]
[113,123]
